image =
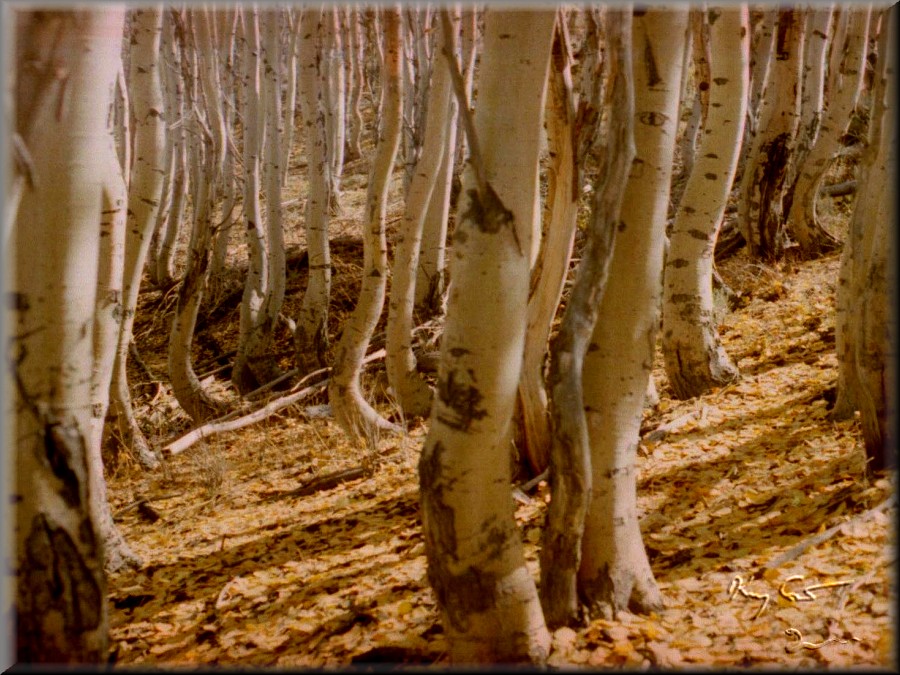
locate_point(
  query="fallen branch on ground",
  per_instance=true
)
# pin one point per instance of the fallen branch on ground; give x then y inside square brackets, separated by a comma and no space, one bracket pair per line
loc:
[222,425]
[824,536]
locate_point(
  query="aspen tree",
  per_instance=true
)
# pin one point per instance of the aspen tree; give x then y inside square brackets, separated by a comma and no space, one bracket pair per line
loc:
[570,453]
[695,359]
[487,597]
[107,325]
[356,55]
[614,572]
[203,161]
[764,181]
[289,109]
[865,327]
[310,334]
[264,289]
[60,608]
[549,273]
[144,195]
[351,410]
[171,213]
[430,274]
[332,71]
[413,394]
[845,80]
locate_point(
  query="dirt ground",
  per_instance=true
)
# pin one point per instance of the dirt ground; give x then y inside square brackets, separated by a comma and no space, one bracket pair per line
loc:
[770,545]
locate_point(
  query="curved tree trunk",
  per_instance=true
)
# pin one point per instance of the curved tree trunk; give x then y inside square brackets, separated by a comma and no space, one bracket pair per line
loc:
[350,408]
[412,392]
[549,274]
[487,597]
[570,453]
[107,325]
[695,360]
[186,386]
[614,573]
[60,604]
[431,275]
[845,79]
[144,195]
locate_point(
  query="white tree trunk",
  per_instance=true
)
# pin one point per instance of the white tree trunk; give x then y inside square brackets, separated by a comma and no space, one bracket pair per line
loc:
[351,410]
[60,609]
[488,601]
[694,357]
[614,572]
[144,195]
[413,394]
[254,364]
[845,80]
[763,185]
[549,274]
[332,64]
[310,335]
[864,325]
[570,455]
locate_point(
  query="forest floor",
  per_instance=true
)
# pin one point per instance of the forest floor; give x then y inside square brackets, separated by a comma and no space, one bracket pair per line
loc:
[748,495]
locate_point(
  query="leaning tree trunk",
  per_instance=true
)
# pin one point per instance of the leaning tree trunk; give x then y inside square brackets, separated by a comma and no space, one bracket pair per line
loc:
[431,274]
[845,79]
[144,195]
[487,597]
[549,274]
[311,332]
[764,182]
[695,359]
[186,386]
[60,609]
[413,394]
[614,573]
[107,325]
[570,454]
[351,410]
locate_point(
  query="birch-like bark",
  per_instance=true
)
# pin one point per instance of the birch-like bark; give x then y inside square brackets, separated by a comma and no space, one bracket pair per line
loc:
[761,206]
[310,335]
[845,80]
[290,94]
[549,274]
[354,414]
[487,597]
[60,609]
[144,195]
[762,46]
[431,273]
[186,386]
[107,324]
[356,56]
[864,323]
[263,296]
[570,452]
[614,572]
[332,71]
[694,357]
[412,392]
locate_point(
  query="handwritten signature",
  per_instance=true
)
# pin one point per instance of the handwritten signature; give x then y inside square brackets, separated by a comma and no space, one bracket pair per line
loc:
[803,644]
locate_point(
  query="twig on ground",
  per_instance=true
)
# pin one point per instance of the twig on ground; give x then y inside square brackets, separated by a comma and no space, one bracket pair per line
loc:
[798,550]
